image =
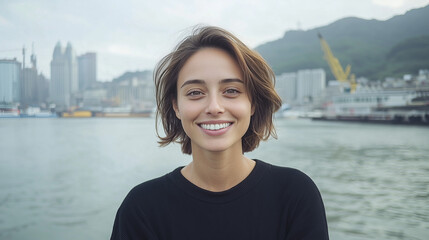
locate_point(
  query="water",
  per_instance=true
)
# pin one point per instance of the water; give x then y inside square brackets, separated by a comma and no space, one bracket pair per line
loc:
[65,178]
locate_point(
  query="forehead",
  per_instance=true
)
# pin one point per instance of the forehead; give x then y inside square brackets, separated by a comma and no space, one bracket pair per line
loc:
[210,64]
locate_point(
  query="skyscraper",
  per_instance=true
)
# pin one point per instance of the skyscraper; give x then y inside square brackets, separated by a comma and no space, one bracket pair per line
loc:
[87,70]
[10,84]
[310,84]
[28,86]
[42,89]
[29,81]
[286,87]
[64,76]
[301,87]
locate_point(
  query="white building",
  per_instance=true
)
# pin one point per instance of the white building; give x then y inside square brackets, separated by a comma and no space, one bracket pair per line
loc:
[301,87]
[10,84]
[64,76]
[286,87]
[310,84]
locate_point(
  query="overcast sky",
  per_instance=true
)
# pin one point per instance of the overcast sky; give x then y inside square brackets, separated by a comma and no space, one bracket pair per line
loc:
[130,35]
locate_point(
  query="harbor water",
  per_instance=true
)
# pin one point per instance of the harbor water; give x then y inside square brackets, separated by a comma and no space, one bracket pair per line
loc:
[65,178]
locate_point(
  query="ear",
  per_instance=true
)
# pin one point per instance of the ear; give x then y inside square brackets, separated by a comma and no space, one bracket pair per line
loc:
[253,110]
[176,108]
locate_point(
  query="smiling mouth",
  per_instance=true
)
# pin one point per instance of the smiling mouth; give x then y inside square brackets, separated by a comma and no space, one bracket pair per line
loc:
[215,127]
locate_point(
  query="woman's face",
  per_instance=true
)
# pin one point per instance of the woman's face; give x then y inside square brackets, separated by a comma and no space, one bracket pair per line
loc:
[212,101]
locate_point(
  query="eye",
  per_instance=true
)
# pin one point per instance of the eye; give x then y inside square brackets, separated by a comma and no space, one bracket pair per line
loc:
[194,93]
[231,92]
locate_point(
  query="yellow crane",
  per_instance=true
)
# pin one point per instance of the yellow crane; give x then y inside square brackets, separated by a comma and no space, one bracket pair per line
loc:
[336,68]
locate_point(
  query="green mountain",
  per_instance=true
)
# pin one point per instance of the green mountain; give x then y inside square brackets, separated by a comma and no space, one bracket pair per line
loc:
[374,49]
[408,56]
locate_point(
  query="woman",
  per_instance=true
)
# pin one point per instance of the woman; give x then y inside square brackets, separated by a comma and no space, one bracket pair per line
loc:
[216,98]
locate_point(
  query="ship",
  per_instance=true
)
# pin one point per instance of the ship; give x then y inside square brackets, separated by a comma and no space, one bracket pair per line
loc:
[9,111]
[396,105]
[399,106]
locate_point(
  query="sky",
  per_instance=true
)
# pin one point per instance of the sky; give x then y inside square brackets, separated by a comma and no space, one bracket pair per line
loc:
[131,35]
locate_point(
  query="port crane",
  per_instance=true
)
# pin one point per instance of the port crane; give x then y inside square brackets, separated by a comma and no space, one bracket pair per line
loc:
[335,66]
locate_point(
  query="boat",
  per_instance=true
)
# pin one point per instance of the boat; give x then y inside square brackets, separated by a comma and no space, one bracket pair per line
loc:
[401,106]
[36,112]
[9,111]
[77,114]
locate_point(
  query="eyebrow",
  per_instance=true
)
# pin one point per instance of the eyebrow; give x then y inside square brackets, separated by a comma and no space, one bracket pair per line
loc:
[199,81]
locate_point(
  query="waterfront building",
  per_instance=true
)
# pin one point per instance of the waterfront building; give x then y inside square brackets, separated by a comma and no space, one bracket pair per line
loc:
[34,86]
[29,81]
[64,76]
[133,89]
[423,77]
[10,84]
[302,87]
[28,86]
[42,89]
[310,85]
[94,97]
[87,65]
[286,87]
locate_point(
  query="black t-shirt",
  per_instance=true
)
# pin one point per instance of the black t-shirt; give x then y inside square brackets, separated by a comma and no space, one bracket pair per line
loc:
[271,203]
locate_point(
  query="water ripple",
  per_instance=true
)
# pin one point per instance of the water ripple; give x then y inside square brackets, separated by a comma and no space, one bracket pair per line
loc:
[374,179]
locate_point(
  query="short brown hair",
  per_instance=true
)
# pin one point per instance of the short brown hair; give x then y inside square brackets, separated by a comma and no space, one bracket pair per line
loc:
[258,80]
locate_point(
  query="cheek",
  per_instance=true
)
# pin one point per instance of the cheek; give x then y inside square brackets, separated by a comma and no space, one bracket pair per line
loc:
[188,111]
[242,110]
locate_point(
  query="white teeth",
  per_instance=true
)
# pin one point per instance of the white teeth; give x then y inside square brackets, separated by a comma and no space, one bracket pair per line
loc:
[215,126]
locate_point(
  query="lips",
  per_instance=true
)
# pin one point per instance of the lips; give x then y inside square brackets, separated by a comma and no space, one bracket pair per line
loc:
[215,129]
[215,126]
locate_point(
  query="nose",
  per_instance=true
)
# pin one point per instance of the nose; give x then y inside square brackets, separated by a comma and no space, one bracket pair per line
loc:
[214,105]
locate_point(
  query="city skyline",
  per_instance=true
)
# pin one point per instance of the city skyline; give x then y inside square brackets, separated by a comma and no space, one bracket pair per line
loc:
[132,35]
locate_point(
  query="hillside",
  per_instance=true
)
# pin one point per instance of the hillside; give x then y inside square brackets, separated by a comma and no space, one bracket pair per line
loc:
[130,75]
[408,56]
[365,44]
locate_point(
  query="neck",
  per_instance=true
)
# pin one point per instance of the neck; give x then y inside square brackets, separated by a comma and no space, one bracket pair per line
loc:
[218,171]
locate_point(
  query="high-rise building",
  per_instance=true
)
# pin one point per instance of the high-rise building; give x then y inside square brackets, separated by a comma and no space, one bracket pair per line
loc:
[29,81]
[87,70]
[286,87]
[64,76]
[28,86]
[42,89]
[10,84]
[34,87]
[310,84]
[301,87]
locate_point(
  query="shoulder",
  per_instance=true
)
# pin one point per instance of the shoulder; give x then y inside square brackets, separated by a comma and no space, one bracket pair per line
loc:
[305,211]
[290,180]
[286,174]
[291,174]
[135,215]
[147,197]
[148,191]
